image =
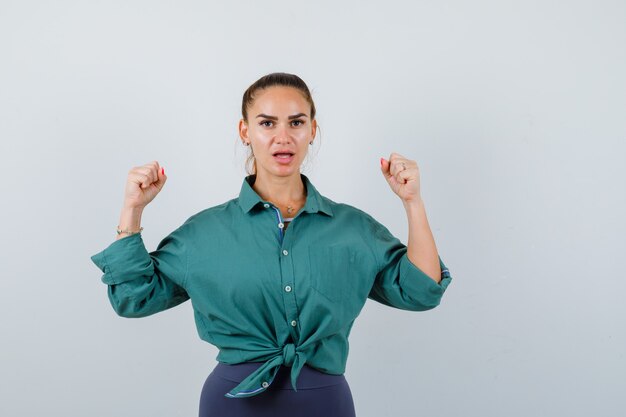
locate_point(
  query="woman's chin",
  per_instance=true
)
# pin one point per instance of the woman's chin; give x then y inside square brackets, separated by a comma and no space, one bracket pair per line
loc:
[282,169]
[286,170]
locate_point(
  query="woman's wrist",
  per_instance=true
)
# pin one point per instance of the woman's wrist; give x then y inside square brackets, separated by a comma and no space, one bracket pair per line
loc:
[130,221]
[413,205]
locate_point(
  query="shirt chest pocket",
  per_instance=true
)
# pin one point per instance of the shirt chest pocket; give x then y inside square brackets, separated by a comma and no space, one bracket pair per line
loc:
[332,271]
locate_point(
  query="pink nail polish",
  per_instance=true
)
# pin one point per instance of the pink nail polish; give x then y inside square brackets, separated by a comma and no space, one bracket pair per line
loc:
[162,171]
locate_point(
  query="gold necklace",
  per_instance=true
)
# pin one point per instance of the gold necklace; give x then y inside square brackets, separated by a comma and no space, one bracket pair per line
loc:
[290,208]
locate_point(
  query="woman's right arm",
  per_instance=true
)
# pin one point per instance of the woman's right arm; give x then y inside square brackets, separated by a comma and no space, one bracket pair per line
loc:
[130,219]
[141,283]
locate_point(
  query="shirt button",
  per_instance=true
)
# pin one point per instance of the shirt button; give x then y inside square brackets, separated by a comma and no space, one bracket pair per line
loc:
[293,323]
[266,205]
[285,252]
[288,288]
[265,384]
[281,225]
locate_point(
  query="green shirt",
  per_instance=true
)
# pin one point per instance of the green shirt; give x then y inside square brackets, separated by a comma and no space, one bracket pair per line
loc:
[264,293]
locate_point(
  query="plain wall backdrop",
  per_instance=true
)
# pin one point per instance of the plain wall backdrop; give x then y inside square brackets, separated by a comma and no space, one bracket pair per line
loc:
[514,111]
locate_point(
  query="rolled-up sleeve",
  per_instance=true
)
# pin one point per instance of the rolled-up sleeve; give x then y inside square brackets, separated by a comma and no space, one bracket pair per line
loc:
[141,283]
[399,283]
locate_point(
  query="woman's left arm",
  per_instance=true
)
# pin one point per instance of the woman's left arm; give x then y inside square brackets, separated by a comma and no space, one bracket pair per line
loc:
[402,175]
[421,249]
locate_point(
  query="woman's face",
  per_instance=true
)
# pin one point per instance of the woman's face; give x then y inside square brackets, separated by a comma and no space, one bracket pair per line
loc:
[278,121]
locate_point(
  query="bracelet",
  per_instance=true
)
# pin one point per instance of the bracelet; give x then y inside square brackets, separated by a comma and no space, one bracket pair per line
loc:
[119,232]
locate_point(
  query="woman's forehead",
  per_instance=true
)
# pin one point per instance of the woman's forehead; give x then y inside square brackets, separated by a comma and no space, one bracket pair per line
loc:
[279,96]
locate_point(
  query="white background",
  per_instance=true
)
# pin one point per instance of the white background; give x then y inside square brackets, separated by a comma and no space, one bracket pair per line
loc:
[514,111]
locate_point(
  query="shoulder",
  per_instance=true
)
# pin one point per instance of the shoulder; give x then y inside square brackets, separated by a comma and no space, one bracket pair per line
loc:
[208,218]
[353,215]
[200,226]
[214,212]
[217,213]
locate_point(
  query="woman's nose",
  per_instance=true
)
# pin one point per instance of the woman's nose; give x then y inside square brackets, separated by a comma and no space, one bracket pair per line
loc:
[283,134]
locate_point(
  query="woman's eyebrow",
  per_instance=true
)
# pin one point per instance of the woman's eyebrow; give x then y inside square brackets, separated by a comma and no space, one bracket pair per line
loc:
[295,116]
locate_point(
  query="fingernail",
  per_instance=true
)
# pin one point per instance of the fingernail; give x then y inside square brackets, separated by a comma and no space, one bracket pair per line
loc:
[381,161]
[162,171]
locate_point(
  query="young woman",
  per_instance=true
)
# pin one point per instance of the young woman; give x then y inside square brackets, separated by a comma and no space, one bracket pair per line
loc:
[278,275]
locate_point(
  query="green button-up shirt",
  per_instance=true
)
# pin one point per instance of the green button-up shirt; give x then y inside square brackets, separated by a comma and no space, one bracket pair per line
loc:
[265,293]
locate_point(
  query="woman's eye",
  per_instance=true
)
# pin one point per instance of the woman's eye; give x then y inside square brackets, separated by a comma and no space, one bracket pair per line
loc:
[298,121]
[265,121]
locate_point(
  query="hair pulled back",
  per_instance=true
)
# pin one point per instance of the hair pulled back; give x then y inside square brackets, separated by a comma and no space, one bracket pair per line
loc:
[272,80]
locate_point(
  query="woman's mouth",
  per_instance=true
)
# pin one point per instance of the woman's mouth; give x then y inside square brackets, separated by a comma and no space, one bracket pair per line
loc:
[283,158]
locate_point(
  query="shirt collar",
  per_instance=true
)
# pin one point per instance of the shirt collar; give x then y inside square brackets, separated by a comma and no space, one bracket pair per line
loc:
[248,198]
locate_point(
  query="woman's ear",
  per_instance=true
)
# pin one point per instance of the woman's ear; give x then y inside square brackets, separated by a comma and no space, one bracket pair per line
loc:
[313,128]
[243,130]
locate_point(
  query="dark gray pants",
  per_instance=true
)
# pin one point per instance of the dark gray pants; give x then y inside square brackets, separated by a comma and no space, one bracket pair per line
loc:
[319,394]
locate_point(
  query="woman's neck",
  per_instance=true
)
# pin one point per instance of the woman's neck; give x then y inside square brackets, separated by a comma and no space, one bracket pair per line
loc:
[281,189]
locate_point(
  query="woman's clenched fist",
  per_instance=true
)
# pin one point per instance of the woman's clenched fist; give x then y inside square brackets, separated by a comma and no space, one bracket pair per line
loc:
[403,176]
[143,184]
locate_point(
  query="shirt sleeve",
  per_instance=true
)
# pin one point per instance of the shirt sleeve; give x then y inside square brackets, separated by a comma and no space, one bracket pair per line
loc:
[399,283]
[141,283]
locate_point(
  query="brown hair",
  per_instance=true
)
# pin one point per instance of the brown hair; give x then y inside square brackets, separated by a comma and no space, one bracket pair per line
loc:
[271,80]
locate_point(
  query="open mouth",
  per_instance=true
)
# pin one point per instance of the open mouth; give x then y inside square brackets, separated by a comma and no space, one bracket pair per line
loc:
[284,157]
